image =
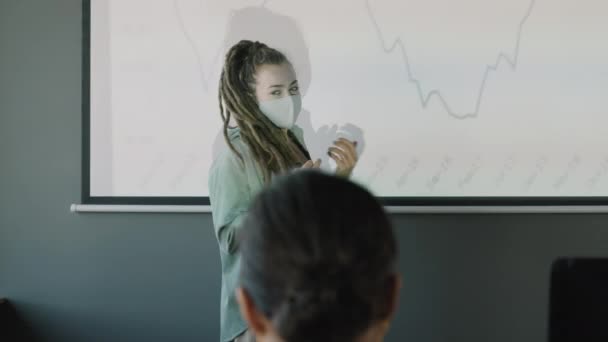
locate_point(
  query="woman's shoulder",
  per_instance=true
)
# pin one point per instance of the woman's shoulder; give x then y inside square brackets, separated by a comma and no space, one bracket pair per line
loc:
[232,168]
[226,159]
[230,159]
[233,135]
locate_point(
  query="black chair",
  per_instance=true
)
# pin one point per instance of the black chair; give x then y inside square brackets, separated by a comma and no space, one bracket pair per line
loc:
[579,300]
[12,327]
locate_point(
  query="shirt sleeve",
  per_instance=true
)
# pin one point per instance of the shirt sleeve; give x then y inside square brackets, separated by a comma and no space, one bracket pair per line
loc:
[229,197]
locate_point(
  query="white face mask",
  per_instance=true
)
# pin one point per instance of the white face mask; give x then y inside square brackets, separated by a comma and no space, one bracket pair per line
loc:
[282,112]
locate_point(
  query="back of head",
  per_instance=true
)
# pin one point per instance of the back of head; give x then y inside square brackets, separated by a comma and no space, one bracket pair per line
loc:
[318,257]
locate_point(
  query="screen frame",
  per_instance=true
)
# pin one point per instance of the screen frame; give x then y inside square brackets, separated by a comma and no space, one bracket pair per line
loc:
[86,197]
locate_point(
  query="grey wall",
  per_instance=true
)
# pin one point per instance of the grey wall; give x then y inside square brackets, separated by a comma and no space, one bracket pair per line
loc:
[155,277]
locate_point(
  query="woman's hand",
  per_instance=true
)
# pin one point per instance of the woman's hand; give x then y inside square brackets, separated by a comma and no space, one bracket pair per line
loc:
[312,165]
[344,152]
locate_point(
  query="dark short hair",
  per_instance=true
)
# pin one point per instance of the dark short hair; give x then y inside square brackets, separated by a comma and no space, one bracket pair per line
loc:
[318,255]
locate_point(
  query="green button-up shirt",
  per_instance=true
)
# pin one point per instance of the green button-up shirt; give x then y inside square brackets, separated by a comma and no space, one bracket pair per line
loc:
[232,186]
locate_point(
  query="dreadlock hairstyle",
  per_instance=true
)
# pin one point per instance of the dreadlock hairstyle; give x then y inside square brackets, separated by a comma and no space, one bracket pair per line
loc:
[274,149]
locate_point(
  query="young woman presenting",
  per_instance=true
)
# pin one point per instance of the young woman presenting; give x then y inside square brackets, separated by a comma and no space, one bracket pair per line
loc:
[259,104]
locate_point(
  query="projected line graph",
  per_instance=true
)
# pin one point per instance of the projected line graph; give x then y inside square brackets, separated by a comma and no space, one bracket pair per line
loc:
[189,36]
[205,75]
[192,43]
[510,59]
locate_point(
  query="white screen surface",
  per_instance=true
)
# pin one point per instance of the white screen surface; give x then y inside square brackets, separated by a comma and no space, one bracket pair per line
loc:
[446,98]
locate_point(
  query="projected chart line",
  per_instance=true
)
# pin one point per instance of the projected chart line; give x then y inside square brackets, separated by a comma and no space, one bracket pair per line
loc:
[425,99]
[203,75]
[192,44]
